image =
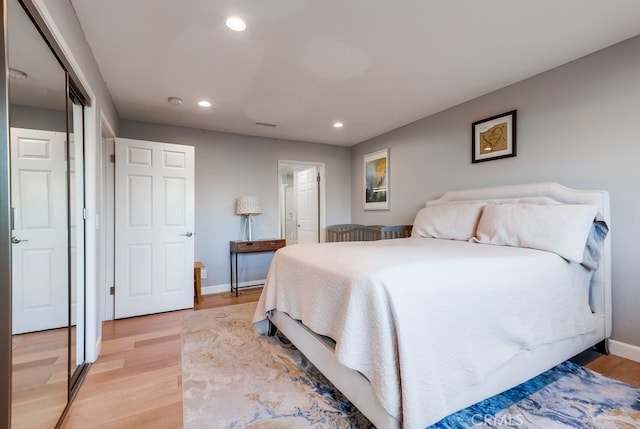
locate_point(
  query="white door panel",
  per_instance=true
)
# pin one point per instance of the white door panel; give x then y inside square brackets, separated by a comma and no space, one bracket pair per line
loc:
[154,225]
[39,252]
[306,183]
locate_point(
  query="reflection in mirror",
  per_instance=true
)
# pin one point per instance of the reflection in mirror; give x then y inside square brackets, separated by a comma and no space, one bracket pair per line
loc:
[43,249]
[76,239]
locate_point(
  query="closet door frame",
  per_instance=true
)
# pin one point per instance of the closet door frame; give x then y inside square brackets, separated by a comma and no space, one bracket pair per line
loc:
[5,233]
[89,116]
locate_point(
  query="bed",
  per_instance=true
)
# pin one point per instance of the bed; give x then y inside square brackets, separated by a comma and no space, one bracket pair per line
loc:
[411,330]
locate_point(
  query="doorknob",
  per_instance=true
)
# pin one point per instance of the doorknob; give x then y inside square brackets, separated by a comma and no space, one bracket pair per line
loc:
[16,240]
[188,234]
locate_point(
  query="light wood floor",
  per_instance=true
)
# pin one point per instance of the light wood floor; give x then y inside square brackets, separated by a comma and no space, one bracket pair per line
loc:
[136,382]
[39,378]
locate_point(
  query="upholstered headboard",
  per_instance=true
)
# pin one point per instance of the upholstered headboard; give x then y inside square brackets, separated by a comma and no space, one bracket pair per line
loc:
[541,193]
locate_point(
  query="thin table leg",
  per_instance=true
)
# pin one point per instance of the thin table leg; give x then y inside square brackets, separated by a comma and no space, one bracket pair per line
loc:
[236,274]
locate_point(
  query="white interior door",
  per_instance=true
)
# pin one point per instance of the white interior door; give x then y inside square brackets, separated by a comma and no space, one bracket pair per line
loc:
[40,238]
[305,181]
[154,203]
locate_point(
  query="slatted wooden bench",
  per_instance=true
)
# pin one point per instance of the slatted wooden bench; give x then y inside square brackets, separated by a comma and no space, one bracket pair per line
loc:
[358,232]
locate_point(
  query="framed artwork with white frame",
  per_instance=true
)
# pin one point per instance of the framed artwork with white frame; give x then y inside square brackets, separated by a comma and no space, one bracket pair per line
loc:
[376,180]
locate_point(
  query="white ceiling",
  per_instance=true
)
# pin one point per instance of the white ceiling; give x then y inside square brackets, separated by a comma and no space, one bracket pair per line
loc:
[302,64]
[45,86]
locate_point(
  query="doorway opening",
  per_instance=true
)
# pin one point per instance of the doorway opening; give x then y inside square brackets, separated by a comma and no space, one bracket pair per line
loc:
[301,201]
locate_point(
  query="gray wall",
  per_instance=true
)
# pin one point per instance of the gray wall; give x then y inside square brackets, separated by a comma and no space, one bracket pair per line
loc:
[578,125]
[37,119]
[231,165]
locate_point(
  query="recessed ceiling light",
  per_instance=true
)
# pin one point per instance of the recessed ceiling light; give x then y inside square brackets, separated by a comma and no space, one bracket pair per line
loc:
[204,103]
[17,74]
[236,23]
[338,125]
[174,101]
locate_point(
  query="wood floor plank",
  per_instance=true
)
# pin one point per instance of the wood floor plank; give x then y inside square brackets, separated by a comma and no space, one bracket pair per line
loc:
[127,402]
[128,380]
[617,367]
[105,366]
[168,417]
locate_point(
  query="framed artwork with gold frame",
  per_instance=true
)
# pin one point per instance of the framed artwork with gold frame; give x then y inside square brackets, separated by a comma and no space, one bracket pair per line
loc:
[494,137]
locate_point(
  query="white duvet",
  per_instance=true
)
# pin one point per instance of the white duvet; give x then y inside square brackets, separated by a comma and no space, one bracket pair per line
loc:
[424,318]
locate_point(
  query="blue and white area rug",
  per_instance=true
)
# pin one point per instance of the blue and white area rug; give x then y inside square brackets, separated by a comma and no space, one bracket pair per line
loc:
[567,396]
[234,378]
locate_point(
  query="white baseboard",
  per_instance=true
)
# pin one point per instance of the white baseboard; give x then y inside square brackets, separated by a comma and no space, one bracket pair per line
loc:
[624,350]
[207,290]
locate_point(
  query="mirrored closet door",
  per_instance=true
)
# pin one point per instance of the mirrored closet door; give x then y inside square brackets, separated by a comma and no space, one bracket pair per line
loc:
[47,200]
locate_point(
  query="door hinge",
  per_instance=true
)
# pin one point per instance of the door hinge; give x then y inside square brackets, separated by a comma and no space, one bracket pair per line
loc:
[84,213]
[112,158]
[112,290]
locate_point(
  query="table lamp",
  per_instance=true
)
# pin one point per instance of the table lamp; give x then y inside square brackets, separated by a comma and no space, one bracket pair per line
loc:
[248,206]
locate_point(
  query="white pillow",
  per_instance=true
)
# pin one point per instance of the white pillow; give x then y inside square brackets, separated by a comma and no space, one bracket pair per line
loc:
[453,221]
[559,228]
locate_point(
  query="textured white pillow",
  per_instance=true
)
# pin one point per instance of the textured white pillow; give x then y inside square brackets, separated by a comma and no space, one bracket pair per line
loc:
[559,228]
[453,221]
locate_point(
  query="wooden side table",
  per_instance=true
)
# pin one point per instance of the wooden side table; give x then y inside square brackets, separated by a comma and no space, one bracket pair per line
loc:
[254,246]
[197,280]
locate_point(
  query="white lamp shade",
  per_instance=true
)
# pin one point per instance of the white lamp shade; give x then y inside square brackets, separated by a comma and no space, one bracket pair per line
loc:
[248,205]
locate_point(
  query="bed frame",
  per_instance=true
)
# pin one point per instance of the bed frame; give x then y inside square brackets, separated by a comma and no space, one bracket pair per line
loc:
[356,387]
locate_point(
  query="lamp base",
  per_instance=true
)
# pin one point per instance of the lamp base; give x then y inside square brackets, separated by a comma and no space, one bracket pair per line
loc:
[248,227]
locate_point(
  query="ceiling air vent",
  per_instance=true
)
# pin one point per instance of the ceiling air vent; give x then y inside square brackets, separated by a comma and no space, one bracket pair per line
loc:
[266,124]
